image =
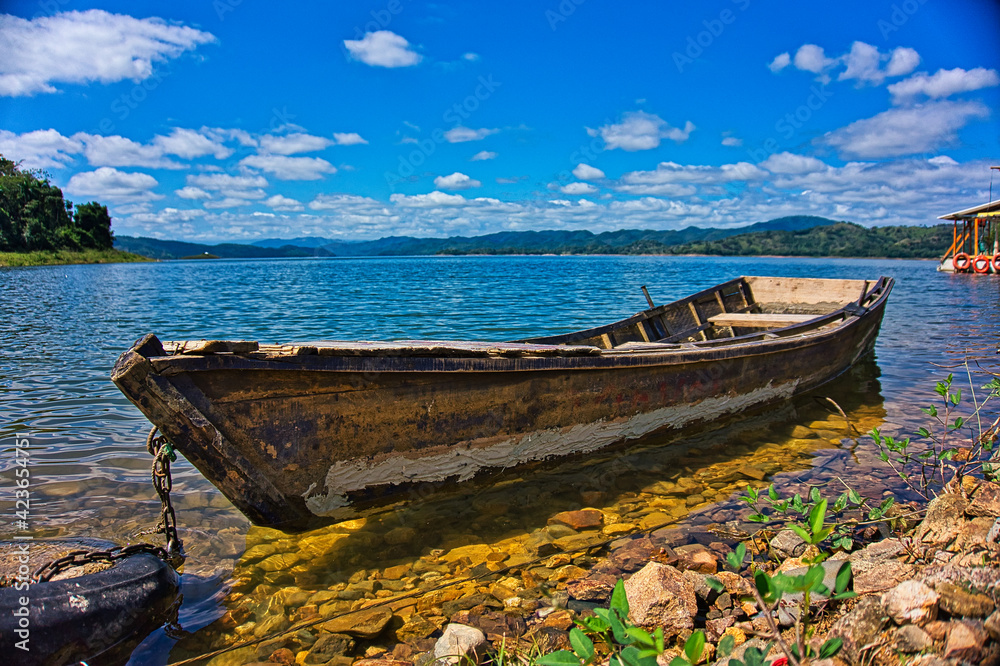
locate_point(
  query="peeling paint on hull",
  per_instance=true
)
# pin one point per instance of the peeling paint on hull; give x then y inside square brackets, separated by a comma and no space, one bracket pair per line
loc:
[463,460]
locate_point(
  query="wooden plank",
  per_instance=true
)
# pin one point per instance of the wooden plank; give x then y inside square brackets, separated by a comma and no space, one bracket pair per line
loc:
[209,346]
[751,320]
[698,320]
[644,332]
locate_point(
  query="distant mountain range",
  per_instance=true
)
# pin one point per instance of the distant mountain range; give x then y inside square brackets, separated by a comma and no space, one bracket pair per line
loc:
[627,241]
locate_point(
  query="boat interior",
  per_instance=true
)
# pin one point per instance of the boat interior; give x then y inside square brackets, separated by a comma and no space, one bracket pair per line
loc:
[740,310]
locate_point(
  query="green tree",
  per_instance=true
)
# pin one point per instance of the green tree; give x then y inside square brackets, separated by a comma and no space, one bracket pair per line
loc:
[35,216]
[94,223]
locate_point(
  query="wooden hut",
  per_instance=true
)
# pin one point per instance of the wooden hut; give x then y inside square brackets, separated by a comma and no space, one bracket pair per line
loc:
[975,246]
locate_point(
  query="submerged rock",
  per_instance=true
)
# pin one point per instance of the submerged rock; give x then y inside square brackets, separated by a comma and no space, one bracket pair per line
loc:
[584,519]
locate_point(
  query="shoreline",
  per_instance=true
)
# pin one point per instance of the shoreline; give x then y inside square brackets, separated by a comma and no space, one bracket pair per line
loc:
[68,258]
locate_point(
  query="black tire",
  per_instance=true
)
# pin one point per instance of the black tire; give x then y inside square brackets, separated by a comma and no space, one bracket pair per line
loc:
[97,617]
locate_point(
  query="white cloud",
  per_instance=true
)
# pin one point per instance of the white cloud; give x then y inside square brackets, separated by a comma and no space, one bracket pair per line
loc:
[284,167]
[114,185]
[864,63]
[587,172]
[189,144]
[234,190]
[290,144]
[190,192]
[118,151]
[578,188]
[905,131]
[790,163]
[283,203]
[341,201]
[672,179]
[902,62]
[348,138]
[441,200]
[640,131]
[483,155]
[471,57]
[462,134]
[456,181]
[943,83]
[780,62]
[812,58]
[41,149]
[432,199]
[226,202]
[382,49]
[732,142]
[82,47]
[225,181]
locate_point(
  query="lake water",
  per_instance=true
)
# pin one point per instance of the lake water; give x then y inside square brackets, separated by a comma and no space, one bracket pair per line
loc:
[61,329]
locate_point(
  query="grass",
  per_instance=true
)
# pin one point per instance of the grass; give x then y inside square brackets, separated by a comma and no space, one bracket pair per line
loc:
[62,257]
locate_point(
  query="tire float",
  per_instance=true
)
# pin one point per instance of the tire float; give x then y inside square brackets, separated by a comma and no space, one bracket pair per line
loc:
[962,261]
[96,613]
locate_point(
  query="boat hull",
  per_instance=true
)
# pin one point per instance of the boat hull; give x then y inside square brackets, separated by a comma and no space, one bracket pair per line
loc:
[295,439]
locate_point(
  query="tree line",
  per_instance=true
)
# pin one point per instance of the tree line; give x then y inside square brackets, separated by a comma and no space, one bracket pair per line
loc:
[35,216]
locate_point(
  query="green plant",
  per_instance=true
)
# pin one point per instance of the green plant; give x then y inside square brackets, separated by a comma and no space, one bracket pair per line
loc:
[844,527]
[940,461]
[625,643]
[770,589]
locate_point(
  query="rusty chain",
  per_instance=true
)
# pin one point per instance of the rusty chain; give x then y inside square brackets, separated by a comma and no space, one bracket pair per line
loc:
[163,454]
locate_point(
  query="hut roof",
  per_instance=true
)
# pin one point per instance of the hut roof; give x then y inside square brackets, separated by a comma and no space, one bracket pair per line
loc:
[991,209]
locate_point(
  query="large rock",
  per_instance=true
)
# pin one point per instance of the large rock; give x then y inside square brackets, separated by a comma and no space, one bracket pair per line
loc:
[861,626]
[943,520]
[584,519]
[910,639]
[992,625]
[458,644]
[960,603]
[875,568]
[660,596]
[965,641]
[911,602]
[985,501]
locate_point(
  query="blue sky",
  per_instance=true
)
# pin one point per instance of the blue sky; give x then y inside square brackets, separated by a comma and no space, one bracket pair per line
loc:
[240,120]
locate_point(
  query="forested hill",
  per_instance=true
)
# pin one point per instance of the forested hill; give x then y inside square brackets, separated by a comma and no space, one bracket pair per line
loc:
[800,236]
[626,241]
[843,239]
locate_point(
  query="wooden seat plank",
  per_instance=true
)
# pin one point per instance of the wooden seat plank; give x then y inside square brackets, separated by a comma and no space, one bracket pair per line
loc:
[755,320]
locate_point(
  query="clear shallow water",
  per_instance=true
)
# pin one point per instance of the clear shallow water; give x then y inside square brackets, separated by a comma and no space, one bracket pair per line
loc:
[61,329]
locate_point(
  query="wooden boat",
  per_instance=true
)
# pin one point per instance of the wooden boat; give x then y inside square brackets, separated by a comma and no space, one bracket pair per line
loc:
[298,432]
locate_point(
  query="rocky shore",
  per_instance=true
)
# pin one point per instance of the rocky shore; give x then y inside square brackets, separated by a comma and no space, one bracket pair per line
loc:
[926,597]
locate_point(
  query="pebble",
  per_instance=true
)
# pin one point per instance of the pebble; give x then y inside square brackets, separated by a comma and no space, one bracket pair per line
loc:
[459,643]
